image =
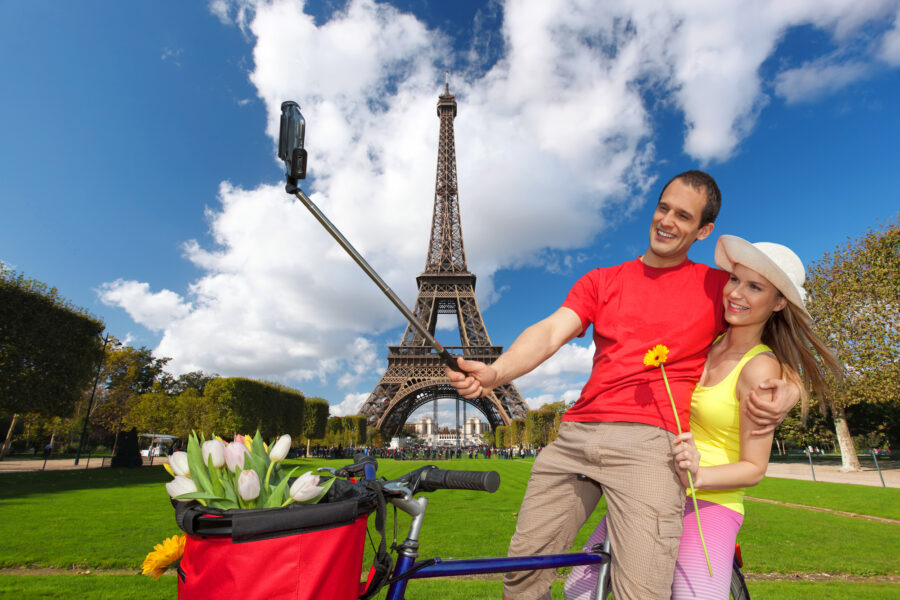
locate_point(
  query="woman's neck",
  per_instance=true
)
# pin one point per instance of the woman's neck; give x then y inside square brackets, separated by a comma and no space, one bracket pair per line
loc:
[742,338]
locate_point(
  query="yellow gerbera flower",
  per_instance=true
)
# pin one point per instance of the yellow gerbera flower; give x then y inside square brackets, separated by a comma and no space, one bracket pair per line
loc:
[163,555]
[656,355]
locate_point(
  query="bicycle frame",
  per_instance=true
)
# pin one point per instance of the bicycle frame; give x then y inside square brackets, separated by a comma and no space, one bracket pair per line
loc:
[407,568]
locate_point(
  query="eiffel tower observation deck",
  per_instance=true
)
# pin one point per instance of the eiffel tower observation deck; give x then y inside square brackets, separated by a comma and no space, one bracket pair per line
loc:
[415,375]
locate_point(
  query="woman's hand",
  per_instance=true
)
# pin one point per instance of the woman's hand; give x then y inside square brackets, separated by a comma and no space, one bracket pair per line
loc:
[687,459]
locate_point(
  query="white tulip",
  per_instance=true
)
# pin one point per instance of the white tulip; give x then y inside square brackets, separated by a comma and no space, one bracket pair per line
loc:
[305,487]
[179,463]
[216,450]
[181,485]
[280,449]
[248,485]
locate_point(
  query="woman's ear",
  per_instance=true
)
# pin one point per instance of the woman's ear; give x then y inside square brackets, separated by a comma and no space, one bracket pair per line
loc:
[780,303]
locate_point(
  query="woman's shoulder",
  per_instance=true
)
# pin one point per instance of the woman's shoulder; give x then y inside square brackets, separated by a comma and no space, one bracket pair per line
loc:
[759,368]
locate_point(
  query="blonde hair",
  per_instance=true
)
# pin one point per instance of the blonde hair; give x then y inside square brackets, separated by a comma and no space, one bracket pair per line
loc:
[796,346]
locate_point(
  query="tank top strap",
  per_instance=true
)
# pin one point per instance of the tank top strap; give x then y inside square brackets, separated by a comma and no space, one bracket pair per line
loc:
[736,372]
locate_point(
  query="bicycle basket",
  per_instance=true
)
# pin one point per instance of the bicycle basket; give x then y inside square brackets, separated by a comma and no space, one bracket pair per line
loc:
[300,551]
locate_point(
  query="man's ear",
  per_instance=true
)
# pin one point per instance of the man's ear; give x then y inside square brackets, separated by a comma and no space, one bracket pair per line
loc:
[704,231]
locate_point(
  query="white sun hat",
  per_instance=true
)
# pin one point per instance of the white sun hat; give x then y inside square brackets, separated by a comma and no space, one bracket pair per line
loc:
[775,262]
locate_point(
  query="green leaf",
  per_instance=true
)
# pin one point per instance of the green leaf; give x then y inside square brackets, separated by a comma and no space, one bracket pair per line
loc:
[215,479]
[195,461]
[279,493]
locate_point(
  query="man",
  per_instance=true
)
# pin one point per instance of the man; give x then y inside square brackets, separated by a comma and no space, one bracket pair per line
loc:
[619,432]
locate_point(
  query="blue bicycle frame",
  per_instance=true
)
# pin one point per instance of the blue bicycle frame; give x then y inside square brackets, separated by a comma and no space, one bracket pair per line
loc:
[407,568]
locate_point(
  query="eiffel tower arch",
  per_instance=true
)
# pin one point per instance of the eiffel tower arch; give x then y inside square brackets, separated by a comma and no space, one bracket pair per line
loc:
[415,375]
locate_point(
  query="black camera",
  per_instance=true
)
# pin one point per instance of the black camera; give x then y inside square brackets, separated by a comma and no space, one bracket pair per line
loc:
[290,142]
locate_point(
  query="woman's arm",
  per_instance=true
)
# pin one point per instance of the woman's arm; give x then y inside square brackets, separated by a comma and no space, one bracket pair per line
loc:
[755,449]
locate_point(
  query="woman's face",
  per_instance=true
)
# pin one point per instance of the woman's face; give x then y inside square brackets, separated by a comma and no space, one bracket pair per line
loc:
[749,297]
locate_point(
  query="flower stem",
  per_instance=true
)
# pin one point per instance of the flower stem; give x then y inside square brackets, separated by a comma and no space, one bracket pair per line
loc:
[268,474]
[690,479]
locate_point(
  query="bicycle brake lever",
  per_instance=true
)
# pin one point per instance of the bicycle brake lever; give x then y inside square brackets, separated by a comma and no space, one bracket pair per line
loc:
[396,487]
[326,469]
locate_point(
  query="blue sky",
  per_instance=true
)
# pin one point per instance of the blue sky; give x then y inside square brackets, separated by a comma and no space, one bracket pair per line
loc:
[139,177]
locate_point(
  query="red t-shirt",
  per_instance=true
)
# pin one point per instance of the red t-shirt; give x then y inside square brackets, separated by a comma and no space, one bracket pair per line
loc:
[633,308]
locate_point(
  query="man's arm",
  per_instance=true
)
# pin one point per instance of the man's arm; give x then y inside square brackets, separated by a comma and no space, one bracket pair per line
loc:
[533,346]
[768,409]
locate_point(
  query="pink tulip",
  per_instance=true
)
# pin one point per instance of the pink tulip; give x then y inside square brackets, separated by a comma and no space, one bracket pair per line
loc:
[235,452]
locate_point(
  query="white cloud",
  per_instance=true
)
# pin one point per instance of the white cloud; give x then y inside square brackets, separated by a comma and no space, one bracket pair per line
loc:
[556,130]
[816,79]
[565,371]
[349,407]
[889,48]
[155,311]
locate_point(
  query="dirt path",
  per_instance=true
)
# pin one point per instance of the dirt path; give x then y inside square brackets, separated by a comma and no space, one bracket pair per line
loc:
[826,510]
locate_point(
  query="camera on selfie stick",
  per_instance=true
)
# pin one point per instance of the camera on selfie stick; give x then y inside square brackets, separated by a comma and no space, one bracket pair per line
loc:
[290,144]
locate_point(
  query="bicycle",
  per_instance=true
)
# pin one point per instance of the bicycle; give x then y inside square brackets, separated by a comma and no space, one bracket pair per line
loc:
[401,493]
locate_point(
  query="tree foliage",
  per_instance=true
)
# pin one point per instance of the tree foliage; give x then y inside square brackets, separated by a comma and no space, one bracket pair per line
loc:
[250,405]
[540,424]
[49,348]
[854,300]
[315,418]
[127,373]
[516,432]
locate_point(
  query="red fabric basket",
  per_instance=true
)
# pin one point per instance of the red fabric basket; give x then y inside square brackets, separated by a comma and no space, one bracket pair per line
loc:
[307,566]
[298,552]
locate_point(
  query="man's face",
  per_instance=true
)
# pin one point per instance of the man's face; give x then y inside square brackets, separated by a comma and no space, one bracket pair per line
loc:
[676,225]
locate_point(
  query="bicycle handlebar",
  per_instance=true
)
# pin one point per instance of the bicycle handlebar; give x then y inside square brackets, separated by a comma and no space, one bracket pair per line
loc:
[440,479]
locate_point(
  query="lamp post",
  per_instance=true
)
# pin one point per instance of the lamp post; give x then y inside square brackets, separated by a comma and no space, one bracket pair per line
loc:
[87,415]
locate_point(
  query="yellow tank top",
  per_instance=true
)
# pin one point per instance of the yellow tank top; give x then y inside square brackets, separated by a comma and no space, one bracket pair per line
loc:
[716,425]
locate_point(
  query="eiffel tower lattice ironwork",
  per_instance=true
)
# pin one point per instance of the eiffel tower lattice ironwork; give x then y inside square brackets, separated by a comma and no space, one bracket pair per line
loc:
[415,375]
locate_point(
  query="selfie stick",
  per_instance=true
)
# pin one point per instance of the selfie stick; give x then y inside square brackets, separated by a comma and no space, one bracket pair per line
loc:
[291,151]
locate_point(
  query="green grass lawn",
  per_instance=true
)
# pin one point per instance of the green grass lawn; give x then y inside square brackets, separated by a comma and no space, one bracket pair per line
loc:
[109,519]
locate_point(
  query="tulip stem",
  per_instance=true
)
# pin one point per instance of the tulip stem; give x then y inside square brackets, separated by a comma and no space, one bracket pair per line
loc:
[268,474]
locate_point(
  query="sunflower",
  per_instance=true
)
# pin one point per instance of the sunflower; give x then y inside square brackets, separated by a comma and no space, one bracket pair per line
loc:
[656,355]
[163,556]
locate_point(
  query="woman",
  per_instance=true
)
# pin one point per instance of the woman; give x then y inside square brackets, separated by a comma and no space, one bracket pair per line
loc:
[769,336]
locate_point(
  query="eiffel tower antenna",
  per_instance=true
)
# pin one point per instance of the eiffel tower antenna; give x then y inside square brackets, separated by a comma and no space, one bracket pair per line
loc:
[415,374]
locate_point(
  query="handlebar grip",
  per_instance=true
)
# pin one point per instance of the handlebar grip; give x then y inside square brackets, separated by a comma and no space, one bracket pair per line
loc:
[439,479]
[451,360]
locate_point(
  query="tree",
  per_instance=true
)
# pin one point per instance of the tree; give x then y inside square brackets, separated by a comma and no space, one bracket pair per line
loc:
[539,426]
[315,418]
[854,300]
[194,380]
[127,373]
[355,430]
[501,436]
[517,432]
[49,349]
[334,431]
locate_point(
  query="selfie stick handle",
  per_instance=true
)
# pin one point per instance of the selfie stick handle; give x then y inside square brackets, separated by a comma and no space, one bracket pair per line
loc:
[447,358]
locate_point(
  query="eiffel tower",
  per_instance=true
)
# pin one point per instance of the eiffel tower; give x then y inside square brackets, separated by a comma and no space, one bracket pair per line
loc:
[415,375]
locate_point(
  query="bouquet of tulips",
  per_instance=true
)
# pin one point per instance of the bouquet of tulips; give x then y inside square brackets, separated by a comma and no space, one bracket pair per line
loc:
[245,473]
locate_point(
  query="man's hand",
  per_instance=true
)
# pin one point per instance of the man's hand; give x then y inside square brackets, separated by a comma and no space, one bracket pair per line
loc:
[477,380]
[770,410]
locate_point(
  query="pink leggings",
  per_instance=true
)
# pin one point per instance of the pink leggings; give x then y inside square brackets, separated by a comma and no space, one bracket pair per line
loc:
[692,580]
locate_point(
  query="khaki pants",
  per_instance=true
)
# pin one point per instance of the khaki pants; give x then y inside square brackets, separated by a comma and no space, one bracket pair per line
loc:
[633,462]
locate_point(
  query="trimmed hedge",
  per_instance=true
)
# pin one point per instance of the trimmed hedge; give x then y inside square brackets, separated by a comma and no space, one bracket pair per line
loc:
[271,408]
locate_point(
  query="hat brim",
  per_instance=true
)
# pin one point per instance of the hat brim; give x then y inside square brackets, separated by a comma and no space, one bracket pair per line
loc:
[731,250]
